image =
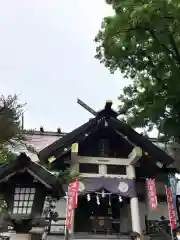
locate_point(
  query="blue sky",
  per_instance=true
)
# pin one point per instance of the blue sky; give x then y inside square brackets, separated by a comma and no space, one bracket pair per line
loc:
[47,57]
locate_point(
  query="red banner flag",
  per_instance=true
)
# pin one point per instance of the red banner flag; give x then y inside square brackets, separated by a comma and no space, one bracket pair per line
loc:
[74,187]
[76,194]
[172,213]
[152,193]
[71,203]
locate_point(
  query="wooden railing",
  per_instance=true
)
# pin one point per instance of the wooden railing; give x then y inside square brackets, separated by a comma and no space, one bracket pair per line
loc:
[104,225]
[56,227]
[155,228]
[110,226]
[101,225]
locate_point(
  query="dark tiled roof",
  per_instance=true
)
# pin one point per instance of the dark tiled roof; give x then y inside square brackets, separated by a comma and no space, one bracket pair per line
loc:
[110,116]
[23,161]
[68,139]
[141,141]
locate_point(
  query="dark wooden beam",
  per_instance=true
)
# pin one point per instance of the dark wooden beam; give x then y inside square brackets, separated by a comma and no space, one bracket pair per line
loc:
[141,141]
[74,153]
[85,106]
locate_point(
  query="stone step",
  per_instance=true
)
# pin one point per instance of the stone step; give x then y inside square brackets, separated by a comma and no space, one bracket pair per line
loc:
[102,238]
[51,237]
[62,238]
[91,237]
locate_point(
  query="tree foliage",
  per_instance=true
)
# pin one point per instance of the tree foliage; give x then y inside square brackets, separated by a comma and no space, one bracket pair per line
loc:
[11,133]
[6,155]
[49,210]
[66,176]
[142,40]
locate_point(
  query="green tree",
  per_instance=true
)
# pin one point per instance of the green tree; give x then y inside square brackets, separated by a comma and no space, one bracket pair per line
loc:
[142,40]
[11,133]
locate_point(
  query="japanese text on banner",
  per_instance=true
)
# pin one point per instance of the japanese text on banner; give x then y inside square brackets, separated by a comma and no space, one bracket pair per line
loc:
[152,196]
[72,203]
[172,213]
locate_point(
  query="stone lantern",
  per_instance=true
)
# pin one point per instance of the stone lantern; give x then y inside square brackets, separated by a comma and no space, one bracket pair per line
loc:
[24,186]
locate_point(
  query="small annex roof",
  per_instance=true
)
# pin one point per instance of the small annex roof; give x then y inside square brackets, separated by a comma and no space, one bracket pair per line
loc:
[110,116]
[43,175]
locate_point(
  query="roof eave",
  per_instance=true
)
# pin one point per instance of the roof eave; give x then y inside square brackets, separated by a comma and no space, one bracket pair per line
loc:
[141,141]
[24,162]
[66,140]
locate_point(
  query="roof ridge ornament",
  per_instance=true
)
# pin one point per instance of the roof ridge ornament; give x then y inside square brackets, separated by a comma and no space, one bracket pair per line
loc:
[85,106]
[107,111]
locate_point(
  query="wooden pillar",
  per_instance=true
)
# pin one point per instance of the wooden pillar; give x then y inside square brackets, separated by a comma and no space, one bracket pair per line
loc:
[147,209]
[134,205]
[134,157]
[74,153]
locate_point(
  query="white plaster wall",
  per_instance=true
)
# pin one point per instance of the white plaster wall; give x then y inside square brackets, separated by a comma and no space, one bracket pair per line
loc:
[61,209]
[142,212]
[126,224]
[160,188]
[144,209]
[162,210]
[125,216]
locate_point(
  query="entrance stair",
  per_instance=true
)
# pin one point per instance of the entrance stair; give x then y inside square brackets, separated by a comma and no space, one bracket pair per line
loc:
[91,237]
[160,236]
[99,237]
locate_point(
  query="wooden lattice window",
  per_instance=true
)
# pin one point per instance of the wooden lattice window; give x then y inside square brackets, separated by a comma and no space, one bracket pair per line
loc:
[23,200]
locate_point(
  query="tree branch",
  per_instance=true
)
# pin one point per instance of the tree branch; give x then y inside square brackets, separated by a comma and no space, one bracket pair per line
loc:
[167,50]
[174,53]
[174,46]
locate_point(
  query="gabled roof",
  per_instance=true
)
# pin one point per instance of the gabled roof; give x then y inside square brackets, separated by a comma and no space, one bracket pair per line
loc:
[110,116]
[68,139]
[44,176]
[141,141]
